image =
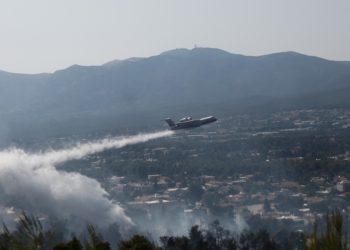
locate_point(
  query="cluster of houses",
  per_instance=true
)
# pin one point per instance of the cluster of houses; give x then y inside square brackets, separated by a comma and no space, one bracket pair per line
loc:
[284,201]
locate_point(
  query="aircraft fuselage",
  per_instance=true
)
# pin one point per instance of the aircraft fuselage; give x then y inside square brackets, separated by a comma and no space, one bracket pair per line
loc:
[187,123]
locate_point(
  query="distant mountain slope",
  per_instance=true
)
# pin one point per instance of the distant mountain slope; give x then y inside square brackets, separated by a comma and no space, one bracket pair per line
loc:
[174,83]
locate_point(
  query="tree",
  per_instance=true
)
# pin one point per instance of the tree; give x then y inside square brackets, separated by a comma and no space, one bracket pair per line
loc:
[333,238]
[196,238]
[137,242]
[267,206]
[258,241]
[74,244]
[95,241]
[175,243]
[29,234]
[195,191]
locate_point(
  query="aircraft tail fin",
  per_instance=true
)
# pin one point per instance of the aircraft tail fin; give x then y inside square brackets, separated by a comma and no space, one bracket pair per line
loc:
[170,122]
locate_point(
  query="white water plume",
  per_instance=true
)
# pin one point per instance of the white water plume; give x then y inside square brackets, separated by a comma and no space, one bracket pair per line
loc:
[31,181]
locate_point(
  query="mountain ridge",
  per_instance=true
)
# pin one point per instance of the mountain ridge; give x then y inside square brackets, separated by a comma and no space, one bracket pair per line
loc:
[174,52]
[140,91]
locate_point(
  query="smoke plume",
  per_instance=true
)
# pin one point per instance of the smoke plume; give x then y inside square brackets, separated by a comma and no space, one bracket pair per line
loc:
[31,181]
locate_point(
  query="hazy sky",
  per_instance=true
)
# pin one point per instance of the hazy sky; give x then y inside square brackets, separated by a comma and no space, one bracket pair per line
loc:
[46,35]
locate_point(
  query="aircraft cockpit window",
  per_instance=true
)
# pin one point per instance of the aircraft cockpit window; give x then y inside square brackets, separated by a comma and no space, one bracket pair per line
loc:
[185,119]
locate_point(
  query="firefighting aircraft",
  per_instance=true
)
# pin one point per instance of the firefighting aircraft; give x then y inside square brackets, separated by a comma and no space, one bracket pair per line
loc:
[188,122]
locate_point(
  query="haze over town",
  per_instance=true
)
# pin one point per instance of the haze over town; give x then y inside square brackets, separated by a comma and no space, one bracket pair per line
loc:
[174,124]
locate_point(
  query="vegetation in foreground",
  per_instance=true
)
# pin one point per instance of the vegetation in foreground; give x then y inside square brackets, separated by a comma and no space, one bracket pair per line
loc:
[327,235]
